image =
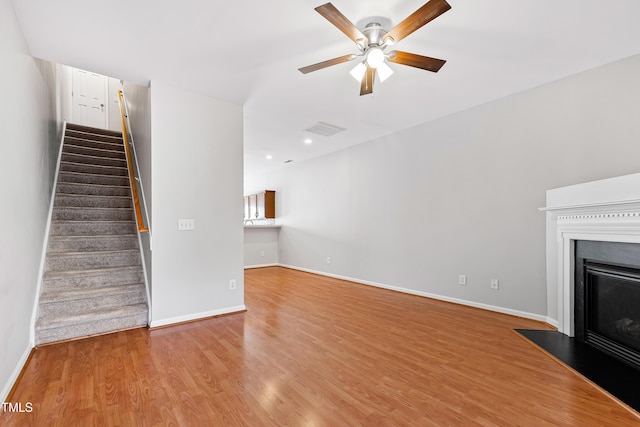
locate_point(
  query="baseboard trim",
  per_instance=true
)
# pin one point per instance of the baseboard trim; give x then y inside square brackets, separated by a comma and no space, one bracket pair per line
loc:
[196,316]
[9,387]
[248,267]
[497,309]
[552,322]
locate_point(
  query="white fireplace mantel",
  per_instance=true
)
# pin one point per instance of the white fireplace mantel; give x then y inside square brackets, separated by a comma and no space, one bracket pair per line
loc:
[606,210]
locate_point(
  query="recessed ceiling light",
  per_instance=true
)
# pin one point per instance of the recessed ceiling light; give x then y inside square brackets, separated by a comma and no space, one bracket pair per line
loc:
[308,140]
[269,157]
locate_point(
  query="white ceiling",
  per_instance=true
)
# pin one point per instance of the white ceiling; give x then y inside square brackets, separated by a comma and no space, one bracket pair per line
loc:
[248,52]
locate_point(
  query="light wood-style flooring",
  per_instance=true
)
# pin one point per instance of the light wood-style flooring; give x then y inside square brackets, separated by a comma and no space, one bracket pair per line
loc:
[314,351]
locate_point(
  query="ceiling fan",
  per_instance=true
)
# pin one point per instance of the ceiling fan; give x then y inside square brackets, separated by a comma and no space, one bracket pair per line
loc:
[373,40]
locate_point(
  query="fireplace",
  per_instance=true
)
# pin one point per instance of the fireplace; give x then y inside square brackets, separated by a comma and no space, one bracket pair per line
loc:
[607,298]
[599,211]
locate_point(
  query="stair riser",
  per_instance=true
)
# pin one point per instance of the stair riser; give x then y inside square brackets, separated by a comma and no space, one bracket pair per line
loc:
[92,243]
[107,144]
[90,328]
[85,305]
[90,160]
[88,228]
[90,261]
[92,214]
[93,169]
[86,178]
[91,151]
[93,190]
[63,200]
[94,280]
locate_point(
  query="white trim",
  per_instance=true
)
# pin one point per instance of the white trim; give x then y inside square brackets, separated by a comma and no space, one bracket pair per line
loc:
[623,227]
[196,316]
[503,310]
[45,243]
[248,267]
[15,374]
[552,322]
[590,205]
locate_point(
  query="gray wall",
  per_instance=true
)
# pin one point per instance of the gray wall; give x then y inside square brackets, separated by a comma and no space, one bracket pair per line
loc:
[28,151]
[459,195]
[261,246]
[196,174]
[138,99]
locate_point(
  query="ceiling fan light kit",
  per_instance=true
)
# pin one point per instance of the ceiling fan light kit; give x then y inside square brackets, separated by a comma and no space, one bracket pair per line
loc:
[374,39]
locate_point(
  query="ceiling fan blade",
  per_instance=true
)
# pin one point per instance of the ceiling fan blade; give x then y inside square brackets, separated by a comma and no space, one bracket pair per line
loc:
[334,16]
[418,61]
[428,12]
[366,86]
[327,63]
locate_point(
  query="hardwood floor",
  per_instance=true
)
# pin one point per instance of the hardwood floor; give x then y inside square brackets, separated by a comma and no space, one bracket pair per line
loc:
[314,351]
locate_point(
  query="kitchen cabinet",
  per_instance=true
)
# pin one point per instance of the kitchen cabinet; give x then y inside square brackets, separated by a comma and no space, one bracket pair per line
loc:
[260,205]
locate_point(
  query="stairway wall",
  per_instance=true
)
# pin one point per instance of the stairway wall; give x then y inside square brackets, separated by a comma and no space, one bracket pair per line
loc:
[139,103]
[28,152]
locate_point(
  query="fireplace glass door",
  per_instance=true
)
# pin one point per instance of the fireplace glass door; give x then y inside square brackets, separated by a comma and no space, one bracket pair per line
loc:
[613,310]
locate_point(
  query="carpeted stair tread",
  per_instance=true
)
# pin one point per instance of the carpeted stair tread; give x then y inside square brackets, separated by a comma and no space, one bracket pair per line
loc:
[79,294]
[92,178]
[71,302]
[85,228]
[93,160]
[69,166]
[83,213]
[89,260]
[92,243]
[107,143]
[95,201]
[98,277]
[93,189]
[91,271]
[92,130]
[93,151]
[57,321]
[54,328]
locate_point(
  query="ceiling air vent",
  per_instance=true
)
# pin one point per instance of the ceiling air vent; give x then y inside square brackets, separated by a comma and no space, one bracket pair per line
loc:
[324,129]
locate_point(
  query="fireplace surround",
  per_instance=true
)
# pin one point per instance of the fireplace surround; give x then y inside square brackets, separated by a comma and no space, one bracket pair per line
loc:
[600,211]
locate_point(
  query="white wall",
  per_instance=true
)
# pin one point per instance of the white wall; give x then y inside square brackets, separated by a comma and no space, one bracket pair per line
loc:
[28,152]
[196,173]
[261,246]
[139,103]
[460,195]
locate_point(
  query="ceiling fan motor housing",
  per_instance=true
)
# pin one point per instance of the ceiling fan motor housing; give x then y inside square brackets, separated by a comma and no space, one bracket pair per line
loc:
[374,33]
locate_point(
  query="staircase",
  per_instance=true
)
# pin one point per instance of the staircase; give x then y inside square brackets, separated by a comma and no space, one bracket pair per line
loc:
[93,281]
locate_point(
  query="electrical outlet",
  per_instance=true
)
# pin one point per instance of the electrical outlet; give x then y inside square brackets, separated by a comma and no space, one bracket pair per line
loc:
[462,280]
[186,224]
[328,260]
[495,284]
[261,253]
[232,284]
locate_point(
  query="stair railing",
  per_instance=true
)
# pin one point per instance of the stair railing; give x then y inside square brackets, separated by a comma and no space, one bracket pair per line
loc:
[135,181]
